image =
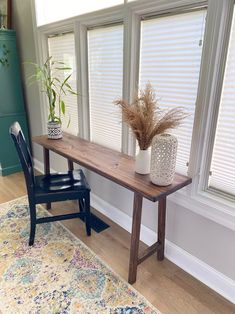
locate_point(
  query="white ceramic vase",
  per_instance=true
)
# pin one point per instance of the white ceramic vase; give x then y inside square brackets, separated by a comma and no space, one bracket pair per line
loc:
[54,130]
[142,161]
[163,159]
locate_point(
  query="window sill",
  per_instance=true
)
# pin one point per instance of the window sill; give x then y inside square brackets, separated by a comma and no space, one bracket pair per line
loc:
[207,205]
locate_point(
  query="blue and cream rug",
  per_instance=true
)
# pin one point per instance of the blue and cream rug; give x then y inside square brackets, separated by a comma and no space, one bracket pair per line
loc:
[59,274]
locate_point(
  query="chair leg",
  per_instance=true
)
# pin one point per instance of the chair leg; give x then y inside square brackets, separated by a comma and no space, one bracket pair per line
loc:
[81,205]
[88,214]
[32,224]
[32,233]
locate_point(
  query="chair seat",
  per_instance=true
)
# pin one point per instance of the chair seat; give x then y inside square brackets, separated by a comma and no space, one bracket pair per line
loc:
[65,185]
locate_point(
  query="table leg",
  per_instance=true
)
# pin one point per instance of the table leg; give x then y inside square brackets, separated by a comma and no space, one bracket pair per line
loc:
[46,157]
[135,237]
[161,228]
[70,165]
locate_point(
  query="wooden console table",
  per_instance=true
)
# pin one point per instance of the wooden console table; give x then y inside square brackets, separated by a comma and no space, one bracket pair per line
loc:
[118,168]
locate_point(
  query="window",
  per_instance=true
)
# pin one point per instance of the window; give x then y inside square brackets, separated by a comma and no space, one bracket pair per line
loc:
[171,49]
[49,11]
[105,62]
[222,167]
[168,53]
[62,48]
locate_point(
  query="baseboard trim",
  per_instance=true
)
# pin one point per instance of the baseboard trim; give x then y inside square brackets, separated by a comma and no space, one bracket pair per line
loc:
[10,170]
[191,264]
[39,166]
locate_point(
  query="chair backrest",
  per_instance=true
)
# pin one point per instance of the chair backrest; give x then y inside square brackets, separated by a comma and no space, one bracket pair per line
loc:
[24,155]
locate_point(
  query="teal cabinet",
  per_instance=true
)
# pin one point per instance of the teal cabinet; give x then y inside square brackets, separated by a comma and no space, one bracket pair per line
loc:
[11,101]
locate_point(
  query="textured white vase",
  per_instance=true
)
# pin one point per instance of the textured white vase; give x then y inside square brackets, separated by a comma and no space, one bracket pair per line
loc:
[142,161]
[54,130]
[163,159]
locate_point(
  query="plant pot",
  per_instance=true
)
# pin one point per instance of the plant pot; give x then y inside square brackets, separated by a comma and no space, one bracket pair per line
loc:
[142,161]
[54,130]
[163,159]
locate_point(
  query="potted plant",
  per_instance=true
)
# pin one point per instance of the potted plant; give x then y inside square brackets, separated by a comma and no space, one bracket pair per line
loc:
[55,84]
[146,120]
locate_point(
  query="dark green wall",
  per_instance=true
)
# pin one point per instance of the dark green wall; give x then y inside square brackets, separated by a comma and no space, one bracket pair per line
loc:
[11,101]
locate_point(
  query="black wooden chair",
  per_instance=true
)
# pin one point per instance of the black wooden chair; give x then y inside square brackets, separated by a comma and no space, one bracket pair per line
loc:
[71,185]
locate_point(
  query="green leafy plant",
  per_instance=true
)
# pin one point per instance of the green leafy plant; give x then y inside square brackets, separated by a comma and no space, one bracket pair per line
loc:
[55,85]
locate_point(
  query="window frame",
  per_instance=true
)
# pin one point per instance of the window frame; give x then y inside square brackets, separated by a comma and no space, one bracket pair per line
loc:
[196,197]
[219,24]
[86,73]
[47,48]
[173,12]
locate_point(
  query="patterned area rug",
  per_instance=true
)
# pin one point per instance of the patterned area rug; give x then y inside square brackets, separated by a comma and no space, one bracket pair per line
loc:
[59,274]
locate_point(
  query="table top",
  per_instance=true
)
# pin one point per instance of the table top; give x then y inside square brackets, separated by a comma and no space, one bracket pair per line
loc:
[116,166]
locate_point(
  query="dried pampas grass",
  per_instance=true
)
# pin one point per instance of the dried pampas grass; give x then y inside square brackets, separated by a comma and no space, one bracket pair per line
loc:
[146,119]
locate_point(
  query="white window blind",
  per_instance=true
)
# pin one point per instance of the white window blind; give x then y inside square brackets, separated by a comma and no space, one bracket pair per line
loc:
[105,60]
[62,48]
[223,160]
[48,11]
[170,58]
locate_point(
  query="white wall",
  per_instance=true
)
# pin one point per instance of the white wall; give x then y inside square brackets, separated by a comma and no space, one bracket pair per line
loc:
[204,239]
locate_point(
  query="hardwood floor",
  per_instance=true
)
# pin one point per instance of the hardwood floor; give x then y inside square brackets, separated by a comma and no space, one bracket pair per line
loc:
[164,284]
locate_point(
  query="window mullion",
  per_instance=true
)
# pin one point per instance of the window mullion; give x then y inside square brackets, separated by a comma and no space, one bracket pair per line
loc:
[41,56]
[82,80]
[130,71]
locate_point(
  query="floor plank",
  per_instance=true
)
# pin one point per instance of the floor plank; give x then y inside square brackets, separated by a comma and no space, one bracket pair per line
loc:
[164,284]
